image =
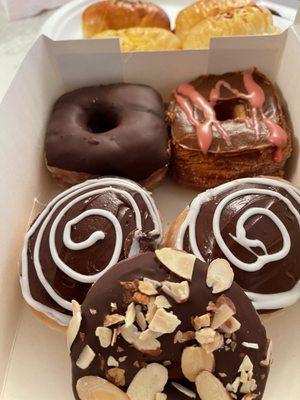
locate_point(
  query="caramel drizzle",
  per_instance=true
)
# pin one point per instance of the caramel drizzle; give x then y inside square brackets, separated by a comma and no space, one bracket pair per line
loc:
[187,97]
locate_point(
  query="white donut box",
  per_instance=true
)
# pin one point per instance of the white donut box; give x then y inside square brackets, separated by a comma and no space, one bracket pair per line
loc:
[34,362]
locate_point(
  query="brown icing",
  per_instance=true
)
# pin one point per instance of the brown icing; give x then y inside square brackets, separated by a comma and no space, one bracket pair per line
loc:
[108,289]
[109,130]
[95,256]
[203,115]
[275,277]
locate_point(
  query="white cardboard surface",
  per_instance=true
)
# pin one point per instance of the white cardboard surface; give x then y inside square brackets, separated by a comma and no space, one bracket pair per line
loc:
[33,361]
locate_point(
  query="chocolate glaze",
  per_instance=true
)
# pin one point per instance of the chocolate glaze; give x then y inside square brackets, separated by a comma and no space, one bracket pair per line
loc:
[242,137]
[108,289]
[274,277]
[94,258]
[109,130]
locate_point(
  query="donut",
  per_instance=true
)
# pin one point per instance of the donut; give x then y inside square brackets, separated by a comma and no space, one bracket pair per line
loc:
[163,324]
[255,224]
[226,127]
[142,39]
[200,21]
[117,130]
[81,234]
[122,14]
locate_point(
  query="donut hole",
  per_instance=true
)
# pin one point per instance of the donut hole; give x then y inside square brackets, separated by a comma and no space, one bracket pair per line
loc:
[231,109]
[100,121]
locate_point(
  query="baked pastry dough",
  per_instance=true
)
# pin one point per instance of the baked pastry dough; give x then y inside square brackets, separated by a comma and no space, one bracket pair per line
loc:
[143,39]
[121,14]
[198,23]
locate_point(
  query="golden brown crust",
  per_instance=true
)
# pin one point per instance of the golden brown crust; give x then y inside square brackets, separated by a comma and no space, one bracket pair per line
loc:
[142,39]
[49,322]
[193,169]
[66,178]
[215,14]
[250,20]
[121,14]
[172,232]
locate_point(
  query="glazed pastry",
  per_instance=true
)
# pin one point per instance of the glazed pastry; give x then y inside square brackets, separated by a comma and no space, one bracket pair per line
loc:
[81,234]
[108,130]
[255,224]
[227,127]
[122,14]
[144,328]
[143,39]
[197,23]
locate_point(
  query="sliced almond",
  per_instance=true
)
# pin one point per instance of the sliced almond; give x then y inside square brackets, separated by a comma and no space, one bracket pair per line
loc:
[178,262]
[85,358]
[219,275]
[164,322]
[210,387]
[162,302]
[180,292]
[141,320]
[113,319]
[246,364]
[160,396]
[254,346]
[105,335]
[116,375]
[203,321]
[114,337]
[94,387]
[130,315]
[148,382]
[182,337]
[155,283]
[267,360]
[122,359]
[150,346]
[195,360]
[130,333]
[151,310]
[187,392]
[145,335]
[112,362]
[215,345]
[205,336]
[234,387]
[147,287]
[230,326]
[74,324]
[222,314]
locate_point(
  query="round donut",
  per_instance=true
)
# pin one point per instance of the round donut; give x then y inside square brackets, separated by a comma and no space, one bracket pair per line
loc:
[255,224]
[155,312]
[122,14]
[115,130]
[79,235]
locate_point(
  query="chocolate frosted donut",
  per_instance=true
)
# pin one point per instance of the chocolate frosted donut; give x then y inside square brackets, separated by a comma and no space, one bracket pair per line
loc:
[156,310]
[255,224]
[226,127]
[82,233]
[108,130]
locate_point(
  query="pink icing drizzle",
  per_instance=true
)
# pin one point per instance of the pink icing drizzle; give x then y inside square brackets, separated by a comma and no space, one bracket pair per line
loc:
[187,96]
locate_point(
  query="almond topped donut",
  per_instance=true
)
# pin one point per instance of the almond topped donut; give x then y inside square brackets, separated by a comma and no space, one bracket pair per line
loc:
[82,233]
[117,129]
[226,127]
[164,325]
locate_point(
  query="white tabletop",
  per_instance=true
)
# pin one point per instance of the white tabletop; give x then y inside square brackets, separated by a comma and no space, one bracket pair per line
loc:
[16,37]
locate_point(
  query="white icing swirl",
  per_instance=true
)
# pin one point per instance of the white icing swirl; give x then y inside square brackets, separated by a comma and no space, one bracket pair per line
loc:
[90,188]
[260,301]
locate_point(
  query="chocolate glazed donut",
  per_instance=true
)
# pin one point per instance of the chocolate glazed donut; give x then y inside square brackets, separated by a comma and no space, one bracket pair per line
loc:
[123,287]
[116,129]
[255,224]
[80,234]
[226,127]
